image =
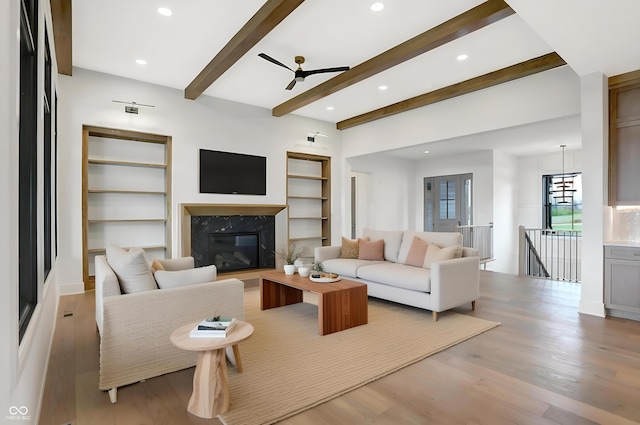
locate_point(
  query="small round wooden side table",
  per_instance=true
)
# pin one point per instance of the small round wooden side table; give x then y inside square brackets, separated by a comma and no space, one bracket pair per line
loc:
[210,384]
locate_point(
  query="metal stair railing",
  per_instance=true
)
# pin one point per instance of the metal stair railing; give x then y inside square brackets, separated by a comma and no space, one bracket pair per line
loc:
[550,253]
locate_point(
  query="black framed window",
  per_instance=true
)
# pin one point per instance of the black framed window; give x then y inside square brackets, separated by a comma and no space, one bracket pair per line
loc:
[28,163]
[48,104]
[562,201]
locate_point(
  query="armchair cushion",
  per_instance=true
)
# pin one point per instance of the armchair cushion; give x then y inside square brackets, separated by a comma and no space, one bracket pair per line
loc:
[132,269]
[177,278]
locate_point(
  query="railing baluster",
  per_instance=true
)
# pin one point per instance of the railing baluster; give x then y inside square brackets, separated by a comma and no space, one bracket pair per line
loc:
[554,254]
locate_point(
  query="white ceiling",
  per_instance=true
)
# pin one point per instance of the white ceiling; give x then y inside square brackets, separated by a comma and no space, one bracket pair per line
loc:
[108,36]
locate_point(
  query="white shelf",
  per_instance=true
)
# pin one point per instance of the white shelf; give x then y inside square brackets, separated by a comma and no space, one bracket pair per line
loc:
[300,176]
[308,199]
[126,193]
[126,163]
[127,220]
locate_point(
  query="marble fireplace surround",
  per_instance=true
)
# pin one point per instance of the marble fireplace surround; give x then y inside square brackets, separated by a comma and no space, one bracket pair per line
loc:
[223,210]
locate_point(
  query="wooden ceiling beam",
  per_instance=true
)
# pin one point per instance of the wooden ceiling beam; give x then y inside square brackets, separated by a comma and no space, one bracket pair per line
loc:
[480,16]
[260,24]
[61,18]
[519,70]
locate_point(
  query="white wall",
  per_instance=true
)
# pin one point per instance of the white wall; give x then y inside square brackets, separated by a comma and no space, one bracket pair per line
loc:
[595,212]
[209,123]
[531,168]
[390,193]
[22,366]
[505,229]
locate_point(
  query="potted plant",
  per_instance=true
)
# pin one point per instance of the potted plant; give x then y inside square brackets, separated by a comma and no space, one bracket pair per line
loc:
[290,254]
[316,269]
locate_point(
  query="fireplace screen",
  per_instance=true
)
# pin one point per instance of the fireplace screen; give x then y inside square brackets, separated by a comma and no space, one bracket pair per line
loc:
[233,251]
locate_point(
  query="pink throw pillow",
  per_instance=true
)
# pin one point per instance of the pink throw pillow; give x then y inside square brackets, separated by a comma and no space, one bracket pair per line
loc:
[370,250]
[417,252]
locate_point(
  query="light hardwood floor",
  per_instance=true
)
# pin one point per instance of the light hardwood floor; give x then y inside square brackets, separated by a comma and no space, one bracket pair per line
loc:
[546,364]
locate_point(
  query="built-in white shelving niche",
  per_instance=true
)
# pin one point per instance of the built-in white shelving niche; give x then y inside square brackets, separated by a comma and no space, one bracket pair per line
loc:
[126,193]
[309,200]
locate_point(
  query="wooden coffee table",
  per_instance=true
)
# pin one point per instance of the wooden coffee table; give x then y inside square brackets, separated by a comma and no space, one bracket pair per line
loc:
[210,384]
[341,305]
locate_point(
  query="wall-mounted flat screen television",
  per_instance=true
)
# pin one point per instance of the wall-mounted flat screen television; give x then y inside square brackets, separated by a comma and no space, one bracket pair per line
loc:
[232,173]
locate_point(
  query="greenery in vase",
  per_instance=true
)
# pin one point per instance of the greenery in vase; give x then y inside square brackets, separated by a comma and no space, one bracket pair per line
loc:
[318,267]
[291,253]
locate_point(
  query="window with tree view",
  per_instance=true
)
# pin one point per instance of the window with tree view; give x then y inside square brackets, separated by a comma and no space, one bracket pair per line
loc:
[562,201]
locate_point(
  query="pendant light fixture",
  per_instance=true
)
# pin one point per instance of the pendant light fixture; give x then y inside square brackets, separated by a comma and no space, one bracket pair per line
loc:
[562,189]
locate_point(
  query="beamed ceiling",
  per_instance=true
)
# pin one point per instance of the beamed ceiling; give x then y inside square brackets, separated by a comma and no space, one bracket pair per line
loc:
[410,47]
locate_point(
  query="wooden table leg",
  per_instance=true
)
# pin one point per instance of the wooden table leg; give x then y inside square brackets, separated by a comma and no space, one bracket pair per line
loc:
[236,355]
[210,385]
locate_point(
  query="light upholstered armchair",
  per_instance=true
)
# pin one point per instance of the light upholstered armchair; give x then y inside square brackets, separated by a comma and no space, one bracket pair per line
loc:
[135,327]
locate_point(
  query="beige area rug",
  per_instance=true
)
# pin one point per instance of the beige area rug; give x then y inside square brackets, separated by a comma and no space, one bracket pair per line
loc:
[289,368]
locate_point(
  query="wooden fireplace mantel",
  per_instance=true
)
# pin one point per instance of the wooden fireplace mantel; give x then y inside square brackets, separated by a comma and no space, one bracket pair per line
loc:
[188,210]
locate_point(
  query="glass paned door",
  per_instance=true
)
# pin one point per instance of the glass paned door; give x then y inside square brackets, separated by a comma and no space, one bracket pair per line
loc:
[447,202]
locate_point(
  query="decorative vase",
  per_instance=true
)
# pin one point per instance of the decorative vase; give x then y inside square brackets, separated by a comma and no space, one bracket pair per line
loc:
[289,269]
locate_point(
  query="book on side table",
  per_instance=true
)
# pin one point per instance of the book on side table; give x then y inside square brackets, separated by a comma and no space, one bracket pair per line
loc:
[210,328]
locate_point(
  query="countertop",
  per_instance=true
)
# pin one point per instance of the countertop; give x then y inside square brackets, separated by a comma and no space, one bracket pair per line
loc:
[622,243]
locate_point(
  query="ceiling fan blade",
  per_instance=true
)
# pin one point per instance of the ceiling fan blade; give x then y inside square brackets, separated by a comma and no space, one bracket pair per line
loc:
[291,84]
[323,70]
[272,60]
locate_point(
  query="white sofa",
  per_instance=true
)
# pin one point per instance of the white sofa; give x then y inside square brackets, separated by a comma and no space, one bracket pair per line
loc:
[447,284]
[135,328]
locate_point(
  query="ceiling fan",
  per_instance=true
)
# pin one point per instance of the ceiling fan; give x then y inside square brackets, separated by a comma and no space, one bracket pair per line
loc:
[300,75]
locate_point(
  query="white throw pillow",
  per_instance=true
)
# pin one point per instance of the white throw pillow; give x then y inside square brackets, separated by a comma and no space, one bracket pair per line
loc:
[177,278]
[132,268]
[436,254]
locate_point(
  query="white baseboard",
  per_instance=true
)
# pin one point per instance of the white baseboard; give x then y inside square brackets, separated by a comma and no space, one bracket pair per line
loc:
[71,288]
[592,308]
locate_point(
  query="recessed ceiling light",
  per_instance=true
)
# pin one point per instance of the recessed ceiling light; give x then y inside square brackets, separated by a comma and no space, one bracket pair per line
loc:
[382,87]
[426,151]
[141,61]
[330,108]
[164,11]
[462,57]
[377,7]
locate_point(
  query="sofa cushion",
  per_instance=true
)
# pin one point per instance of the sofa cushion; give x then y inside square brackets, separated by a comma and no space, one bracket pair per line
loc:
[392,240]
[370,250]
[177,278]
[349,248]
[346,267]
[436,254]
[417,252]
[398,275]
[442,239]
[132,268]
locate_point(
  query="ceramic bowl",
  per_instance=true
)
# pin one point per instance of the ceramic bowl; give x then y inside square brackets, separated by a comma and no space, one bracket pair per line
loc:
[304,271]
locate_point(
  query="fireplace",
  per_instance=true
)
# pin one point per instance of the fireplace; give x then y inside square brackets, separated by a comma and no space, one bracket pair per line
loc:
[233,242]
[234,251]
